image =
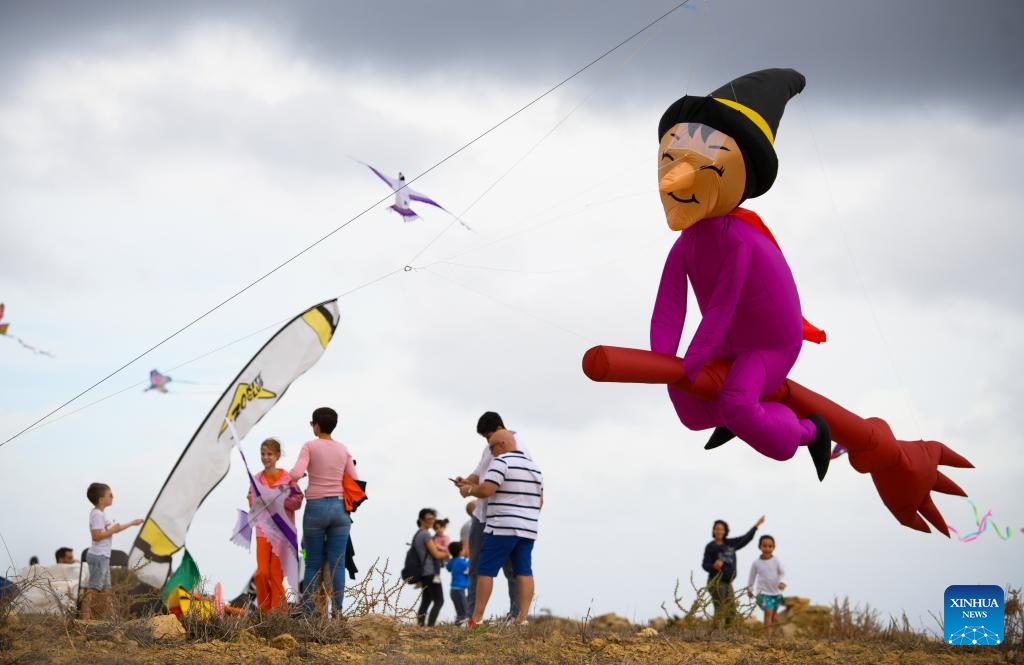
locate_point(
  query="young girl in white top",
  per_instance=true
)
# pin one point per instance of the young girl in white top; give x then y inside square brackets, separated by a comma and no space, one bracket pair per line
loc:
[767,579]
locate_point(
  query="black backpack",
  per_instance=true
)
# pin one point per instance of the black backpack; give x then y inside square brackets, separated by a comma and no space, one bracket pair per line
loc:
[412,570]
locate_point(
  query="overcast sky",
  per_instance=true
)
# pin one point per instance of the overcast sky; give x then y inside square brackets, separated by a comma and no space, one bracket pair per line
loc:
[156,160]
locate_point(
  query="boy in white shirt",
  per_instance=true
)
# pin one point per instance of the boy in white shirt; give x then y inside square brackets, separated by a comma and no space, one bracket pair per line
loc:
[767,579]
[98,556]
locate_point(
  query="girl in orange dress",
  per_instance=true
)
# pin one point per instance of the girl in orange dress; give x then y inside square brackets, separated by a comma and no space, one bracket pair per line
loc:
[269,576]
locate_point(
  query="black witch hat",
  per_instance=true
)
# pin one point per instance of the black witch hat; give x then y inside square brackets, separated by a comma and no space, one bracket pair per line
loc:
[749,110]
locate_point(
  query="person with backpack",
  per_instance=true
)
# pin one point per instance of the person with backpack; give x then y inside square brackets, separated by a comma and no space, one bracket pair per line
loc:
[424,562]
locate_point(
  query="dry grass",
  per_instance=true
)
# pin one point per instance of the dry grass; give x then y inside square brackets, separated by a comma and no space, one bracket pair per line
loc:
[697,619]
[374,593]
[864,624]
[846,633]
[844,622]
[378,593]
[6,601]
[1013,611]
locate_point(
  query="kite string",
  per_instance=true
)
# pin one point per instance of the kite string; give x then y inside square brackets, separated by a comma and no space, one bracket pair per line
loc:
[536,145]
[14,566]
[477,291]
[522,231]
[40,425]
[857,272]
[350,221]
[407,268]
[542,223]
[509,305]
[142,383]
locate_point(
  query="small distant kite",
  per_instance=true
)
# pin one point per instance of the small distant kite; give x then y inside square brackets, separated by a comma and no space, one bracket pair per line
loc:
[838,451]
[158,381]
[3,333]
[404,195]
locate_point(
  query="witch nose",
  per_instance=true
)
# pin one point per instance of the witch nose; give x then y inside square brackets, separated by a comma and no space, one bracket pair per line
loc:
[680,176]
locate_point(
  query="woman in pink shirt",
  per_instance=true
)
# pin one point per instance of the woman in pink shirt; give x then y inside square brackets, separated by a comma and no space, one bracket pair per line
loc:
[325,523]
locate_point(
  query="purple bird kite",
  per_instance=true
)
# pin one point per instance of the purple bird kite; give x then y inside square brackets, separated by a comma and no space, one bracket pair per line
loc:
[404,195]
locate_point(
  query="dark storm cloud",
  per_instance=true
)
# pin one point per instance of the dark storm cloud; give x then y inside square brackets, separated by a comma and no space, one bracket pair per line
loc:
[912,50]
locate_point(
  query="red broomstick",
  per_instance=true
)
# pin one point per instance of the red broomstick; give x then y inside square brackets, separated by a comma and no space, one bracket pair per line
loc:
[904,472]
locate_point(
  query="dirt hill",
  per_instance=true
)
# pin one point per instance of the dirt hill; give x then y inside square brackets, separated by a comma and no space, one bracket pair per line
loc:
[380,639]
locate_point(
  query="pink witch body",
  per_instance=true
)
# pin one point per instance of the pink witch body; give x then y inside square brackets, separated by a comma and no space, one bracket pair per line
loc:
[715,152]
[751,314]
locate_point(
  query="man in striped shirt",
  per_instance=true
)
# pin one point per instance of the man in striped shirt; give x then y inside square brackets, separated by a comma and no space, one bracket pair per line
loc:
[514,487]
[489,423]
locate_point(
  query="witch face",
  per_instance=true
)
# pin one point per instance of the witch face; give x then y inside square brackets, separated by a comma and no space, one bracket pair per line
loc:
[700,174]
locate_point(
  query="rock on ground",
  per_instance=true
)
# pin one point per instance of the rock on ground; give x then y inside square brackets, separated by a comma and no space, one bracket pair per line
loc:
[160,628]
[284,642]
[373,628]
[610,622]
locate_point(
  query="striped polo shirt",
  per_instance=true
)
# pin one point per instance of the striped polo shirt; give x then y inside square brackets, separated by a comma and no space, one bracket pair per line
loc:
[514,508]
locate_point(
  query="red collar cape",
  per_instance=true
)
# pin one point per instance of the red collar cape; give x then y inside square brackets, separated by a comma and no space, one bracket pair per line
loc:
[811,333]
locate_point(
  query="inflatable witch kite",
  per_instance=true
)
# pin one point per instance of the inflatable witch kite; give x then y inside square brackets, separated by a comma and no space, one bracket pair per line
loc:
[714,153]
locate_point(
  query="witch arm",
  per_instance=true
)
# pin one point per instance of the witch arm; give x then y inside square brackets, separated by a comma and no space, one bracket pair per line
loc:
[670,305]
[904,472]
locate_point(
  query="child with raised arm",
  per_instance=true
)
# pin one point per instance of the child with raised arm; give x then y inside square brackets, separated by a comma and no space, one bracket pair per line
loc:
[269,577]
[767,579]
[98,557]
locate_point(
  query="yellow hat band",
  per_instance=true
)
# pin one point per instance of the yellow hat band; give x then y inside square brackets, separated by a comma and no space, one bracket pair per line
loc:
[752,115]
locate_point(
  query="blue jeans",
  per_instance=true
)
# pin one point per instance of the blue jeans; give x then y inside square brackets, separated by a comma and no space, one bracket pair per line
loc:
[325,528]
[458,597]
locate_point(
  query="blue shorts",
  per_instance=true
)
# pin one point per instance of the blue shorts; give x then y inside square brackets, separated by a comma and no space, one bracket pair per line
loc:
[766,602]
[497,549]
[99,571]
